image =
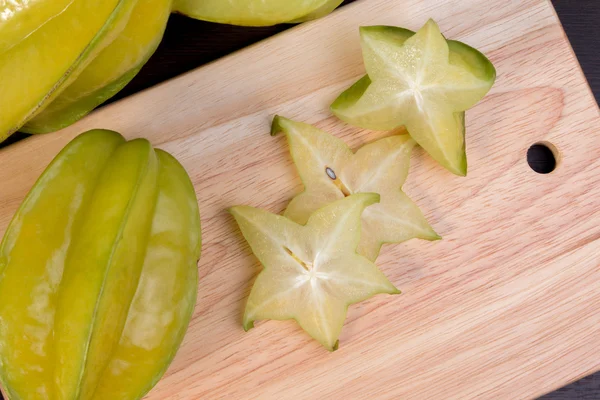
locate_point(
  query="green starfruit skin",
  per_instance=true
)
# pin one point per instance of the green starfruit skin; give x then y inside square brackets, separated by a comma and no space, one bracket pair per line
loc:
[98,273]
[461,54]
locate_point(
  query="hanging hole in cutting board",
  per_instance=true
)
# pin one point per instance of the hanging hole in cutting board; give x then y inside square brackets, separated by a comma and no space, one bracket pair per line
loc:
[542,157]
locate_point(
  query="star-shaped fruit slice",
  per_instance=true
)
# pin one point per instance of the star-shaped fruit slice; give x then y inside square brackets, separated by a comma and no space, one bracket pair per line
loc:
[312,272]
[420,81]
[331,171]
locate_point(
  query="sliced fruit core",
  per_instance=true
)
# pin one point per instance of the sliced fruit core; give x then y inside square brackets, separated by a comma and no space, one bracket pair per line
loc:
[331,174]
[304,265]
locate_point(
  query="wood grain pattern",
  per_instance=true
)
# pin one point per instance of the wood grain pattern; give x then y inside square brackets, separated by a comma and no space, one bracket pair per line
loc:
[506,306]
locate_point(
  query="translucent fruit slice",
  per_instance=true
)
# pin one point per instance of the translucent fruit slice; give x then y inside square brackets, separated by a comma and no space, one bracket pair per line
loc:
[249,12]
[34,70]
[421,81]
[311,273]
[331,171]
[110,71]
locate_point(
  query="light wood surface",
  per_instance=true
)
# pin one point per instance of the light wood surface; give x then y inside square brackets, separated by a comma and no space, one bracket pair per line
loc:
[507,306]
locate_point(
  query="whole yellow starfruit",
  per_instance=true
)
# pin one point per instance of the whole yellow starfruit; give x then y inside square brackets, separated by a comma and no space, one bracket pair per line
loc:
[60,59]
[98,273]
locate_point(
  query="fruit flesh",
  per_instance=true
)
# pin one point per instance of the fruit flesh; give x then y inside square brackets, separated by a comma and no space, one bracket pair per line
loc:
[330,170]
[420,81]
[248,12]
[312,272]
[64,45]
[115,233]
[110,71]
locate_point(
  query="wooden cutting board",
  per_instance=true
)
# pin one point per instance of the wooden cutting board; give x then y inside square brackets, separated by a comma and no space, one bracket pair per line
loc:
[507,306]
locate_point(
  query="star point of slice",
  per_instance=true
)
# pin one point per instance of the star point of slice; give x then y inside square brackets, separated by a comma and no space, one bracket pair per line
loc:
[312,272]
[421,81]
[331,171]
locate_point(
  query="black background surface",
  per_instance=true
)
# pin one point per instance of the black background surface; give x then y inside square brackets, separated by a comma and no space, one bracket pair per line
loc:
[189,43]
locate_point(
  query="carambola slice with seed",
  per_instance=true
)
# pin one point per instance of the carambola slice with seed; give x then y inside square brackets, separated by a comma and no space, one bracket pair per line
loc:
[331,171]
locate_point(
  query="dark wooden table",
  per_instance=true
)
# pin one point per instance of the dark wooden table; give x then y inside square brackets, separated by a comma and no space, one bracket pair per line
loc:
[188,44]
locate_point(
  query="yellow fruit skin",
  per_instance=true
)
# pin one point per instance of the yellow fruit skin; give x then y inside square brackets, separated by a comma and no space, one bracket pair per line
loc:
[110,71]
[64,46]
[320,12]
[249,12]
[90,50]
[98,273]
[166,295]
[19,18]
[102,269]
[47,221]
